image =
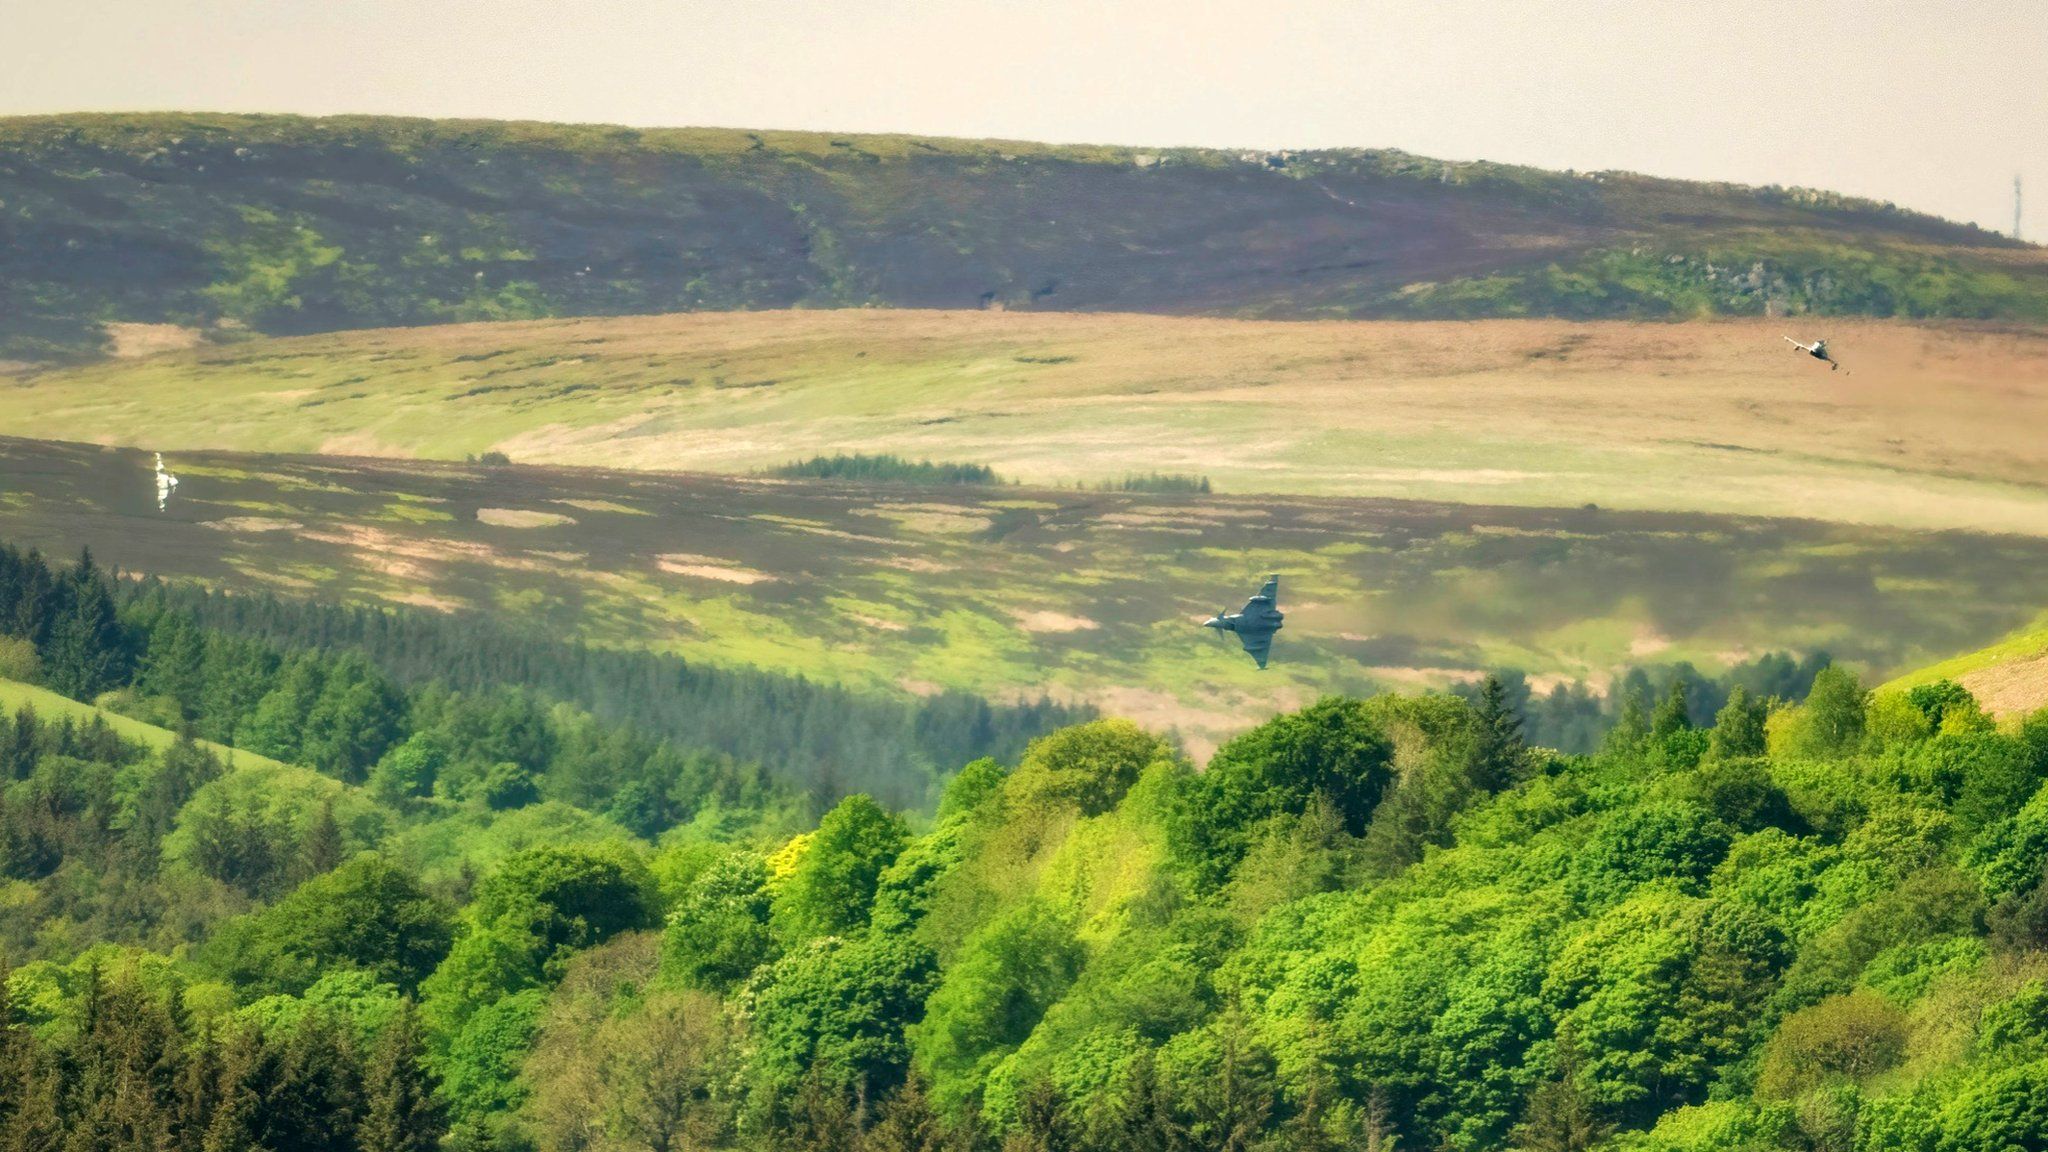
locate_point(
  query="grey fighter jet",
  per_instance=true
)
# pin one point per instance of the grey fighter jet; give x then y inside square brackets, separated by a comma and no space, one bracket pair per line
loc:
[1818,350]
[1257,623]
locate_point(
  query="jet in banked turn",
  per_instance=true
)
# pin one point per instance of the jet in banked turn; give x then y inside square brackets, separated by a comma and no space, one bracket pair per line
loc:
[1818,350]
[1257,623]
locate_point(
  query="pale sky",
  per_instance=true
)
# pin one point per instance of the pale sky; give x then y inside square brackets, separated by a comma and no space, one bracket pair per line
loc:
[1932,105]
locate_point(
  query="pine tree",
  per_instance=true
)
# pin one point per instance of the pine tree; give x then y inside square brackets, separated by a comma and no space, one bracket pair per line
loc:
[1376,1122]
[323,849]
[31,1098]
[314,1100]
[1739,726]
[17,1064]
[1042,1122]
[1144,1116]
[1309,1129]
[1631,729]
[402,1110]
[18,744]
[821,1118]
[149,1045]
[199,1096]
[907,1124]
[87,651]
[1673,715]
[236,846]
[90,1082]
[278,723]
[1232,1107]
[14,1039]
[237,1105]
[237,674]
[1560,1115]
[185,766]
[1499,753]
[173,664]
[352,721]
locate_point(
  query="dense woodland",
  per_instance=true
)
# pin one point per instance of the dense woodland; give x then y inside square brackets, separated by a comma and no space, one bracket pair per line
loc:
[462,917]
[820,740]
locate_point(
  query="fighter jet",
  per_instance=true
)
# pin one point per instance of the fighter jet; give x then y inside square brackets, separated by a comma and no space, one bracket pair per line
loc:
[165,484]
[1818,350]
[1257,623]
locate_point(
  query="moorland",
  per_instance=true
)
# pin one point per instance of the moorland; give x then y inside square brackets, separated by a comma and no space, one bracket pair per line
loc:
[281,224]
[1933,425]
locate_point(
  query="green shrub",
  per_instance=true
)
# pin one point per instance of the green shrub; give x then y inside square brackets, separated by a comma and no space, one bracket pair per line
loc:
[18,660]
[1850,1037]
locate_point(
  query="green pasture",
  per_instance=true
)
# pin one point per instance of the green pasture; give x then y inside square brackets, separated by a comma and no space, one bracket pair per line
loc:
[49,705]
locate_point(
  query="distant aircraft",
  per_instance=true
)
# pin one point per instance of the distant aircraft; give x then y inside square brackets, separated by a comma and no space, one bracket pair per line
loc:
[1257,623]
[166,483]
[1818,350]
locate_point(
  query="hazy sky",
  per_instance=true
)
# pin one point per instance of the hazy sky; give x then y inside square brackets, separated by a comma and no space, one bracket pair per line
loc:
[1933,105]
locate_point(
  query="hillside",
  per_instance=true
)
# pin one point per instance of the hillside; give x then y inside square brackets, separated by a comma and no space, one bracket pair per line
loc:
[1932,426]
[285,224]
[1009,592]
[48,705]
[2010,677]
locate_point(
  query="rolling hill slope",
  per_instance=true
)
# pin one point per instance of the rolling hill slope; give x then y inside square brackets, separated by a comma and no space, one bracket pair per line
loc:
[2009,678]
[49,705]
[1933,426]
[287,224]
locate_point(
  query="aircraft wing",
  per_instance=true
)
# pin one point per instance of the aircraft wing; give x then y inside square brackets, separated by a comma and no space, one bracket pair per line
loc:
[1269,593]
[1258,645]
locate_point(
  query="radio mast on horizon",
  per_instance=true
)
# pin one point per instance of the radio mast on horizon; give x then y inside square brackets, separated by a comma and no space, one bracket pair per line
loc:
[2016,206]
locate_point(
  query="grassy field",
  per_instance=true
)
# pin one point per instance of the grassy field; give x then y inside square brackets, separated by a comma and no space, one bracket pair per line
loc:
[1014,591]
[2010,678]
[1930,427]
[50,706]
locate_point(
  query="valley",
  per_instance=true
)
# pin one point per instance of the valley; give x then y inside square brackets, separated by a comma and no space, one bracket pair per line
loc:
[1012,592]
[691,637]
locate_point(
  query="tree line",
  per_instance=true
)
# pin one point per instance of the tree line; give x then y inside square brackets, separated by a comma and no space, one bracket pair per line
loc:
[136,1072]
[886,467]
[1572,716]
[815,738]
